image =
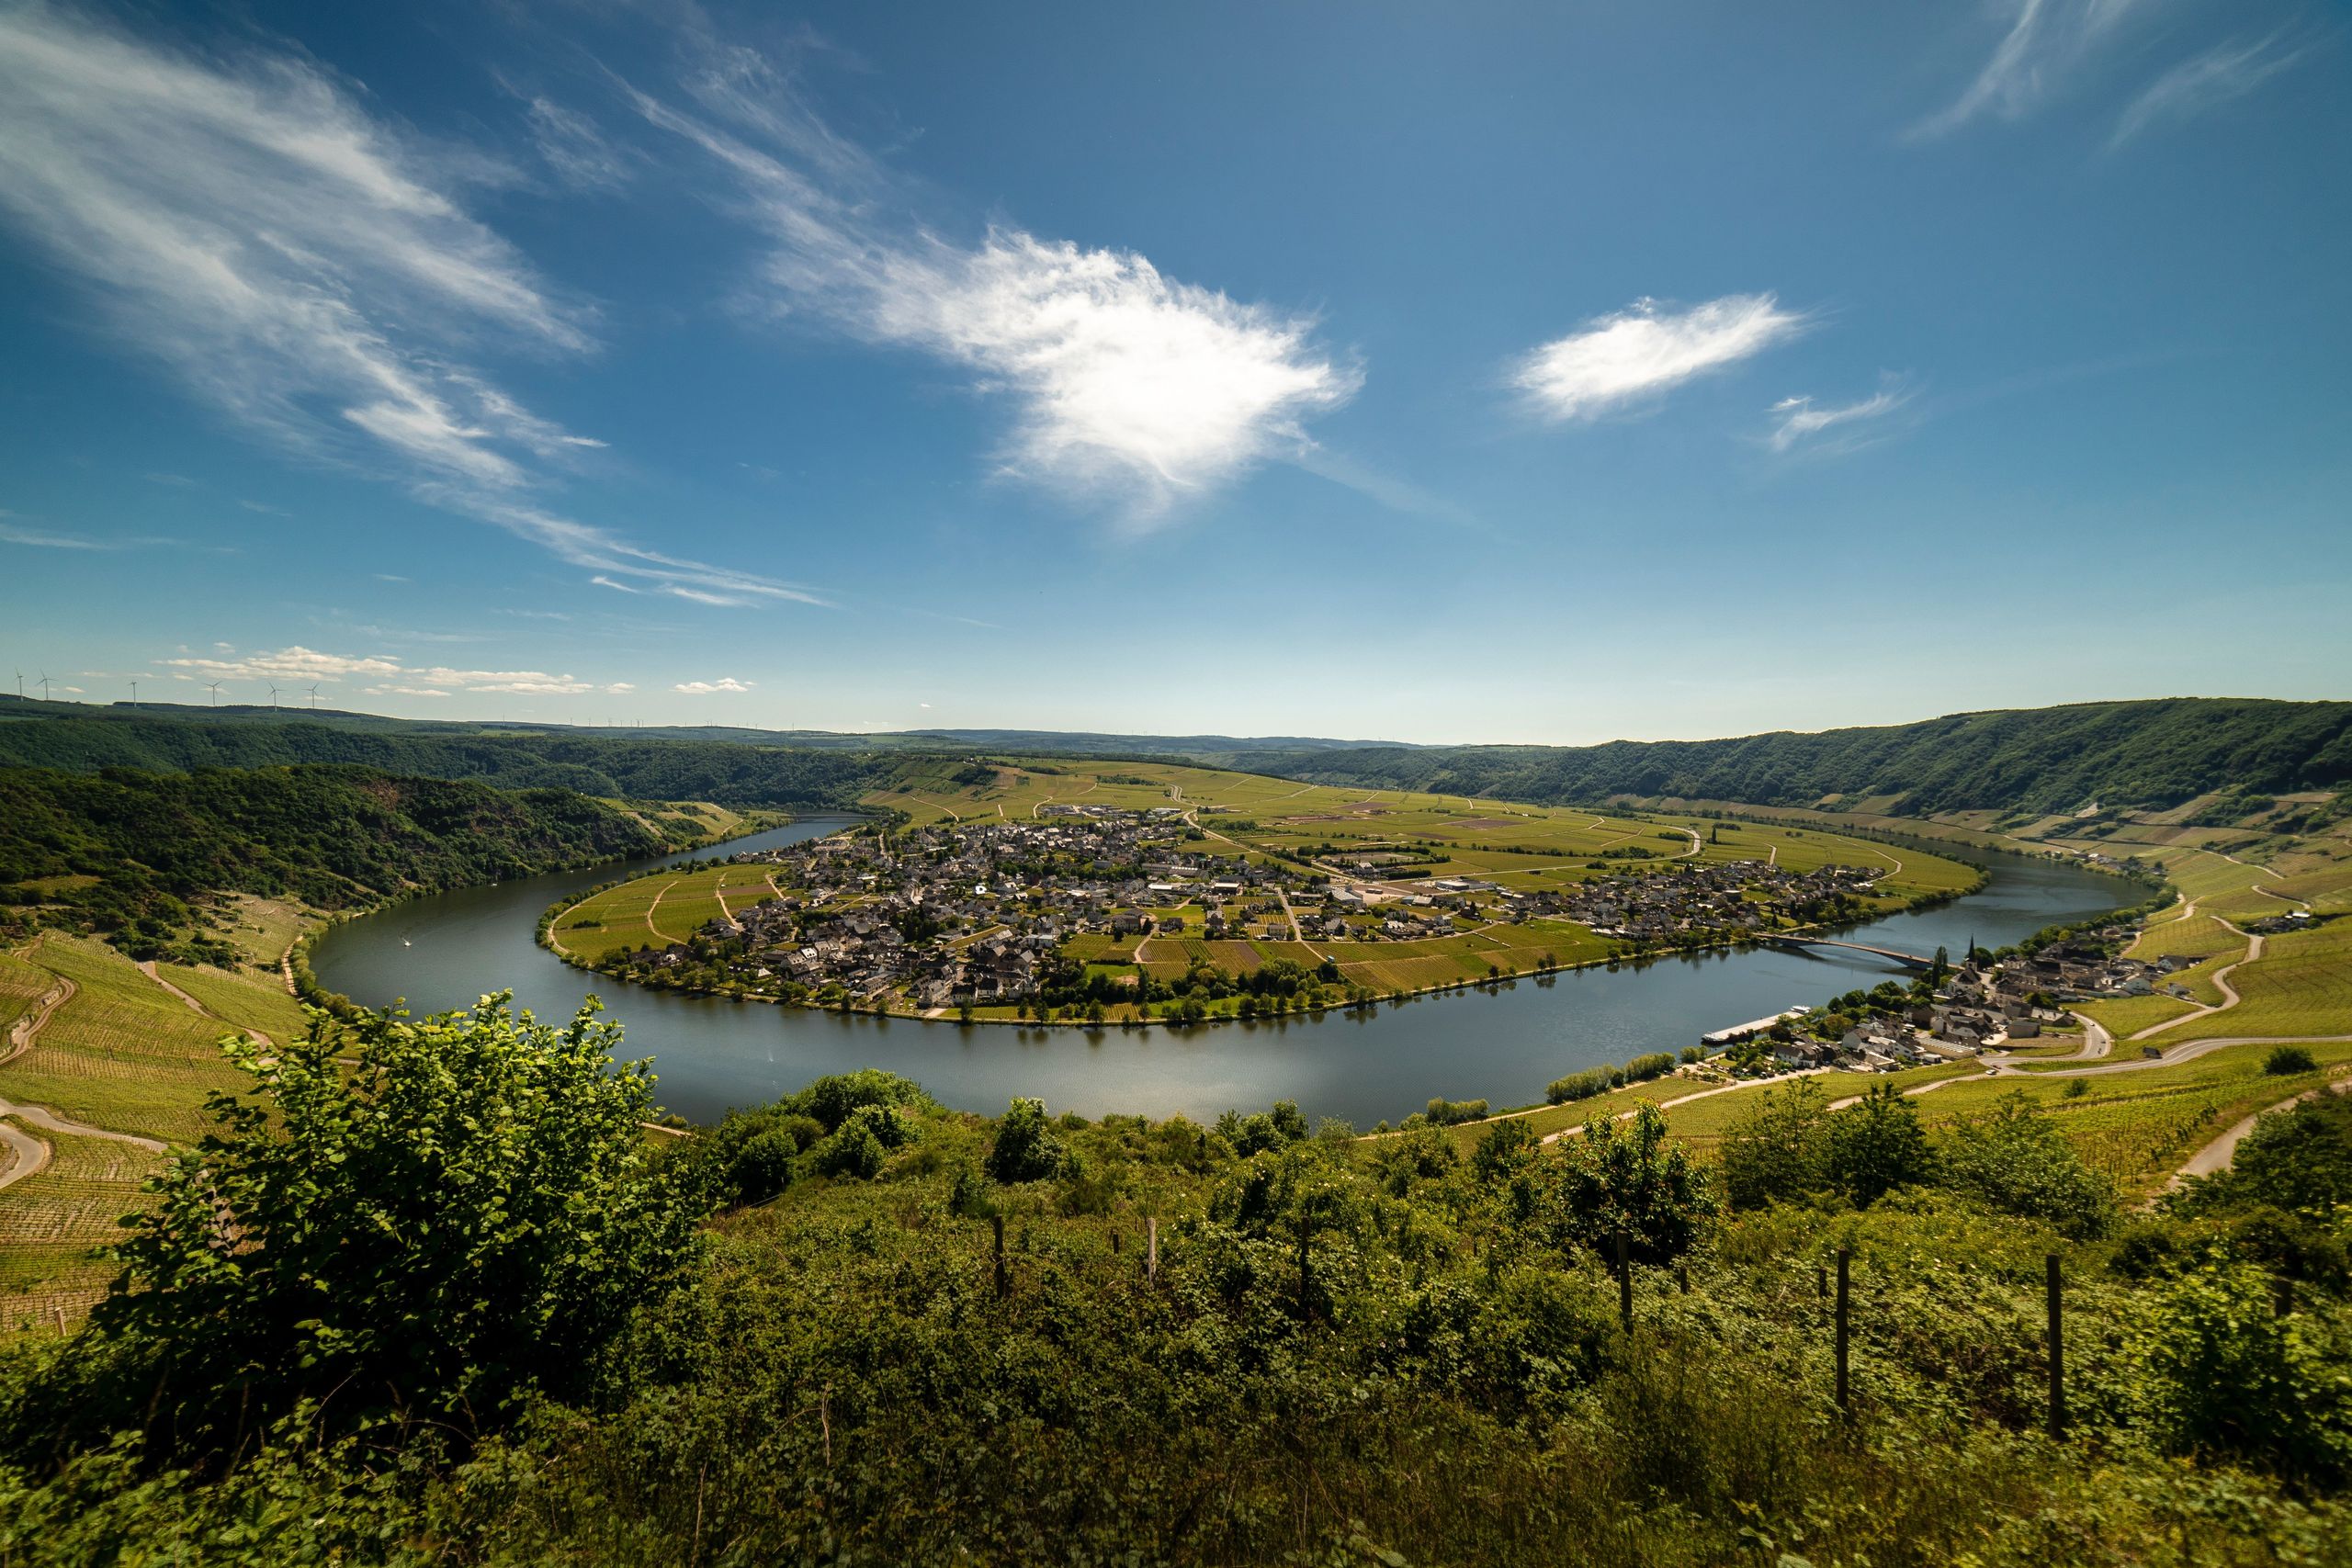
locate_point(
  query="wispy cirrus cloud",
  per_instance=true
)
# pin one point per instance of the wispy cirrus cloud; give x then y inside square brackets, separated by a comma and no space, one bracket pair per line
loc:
[1646,349]
[53,539]
[2045,43]
[297,665]
[306,270]
[43,539]
[2203,81]
[575,148]
[1124,383]
[1800,420]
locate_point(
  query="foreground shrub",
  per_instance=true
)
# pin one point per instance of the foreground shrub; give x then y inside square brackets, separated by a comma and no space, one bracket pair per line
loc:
[2014,1160]
[431,1217]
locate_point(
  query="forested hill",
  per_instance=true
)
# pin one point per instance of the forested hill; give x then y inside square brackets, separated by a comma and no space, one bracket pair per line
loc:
[84,740]
[2062,759]
[136,855]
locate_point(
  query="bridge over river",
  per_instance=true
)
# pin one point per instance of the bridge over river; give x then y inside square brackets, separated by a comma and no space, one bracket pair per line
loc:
[1908,960]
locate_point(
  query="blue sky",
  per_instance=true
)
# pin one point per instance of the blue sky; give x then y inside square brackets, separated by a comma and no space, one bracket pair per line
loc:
[1466,373]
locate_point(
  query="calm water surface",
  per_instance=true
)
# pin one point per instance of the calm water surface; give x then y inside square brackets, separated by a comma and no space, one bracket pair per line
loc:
[445,950]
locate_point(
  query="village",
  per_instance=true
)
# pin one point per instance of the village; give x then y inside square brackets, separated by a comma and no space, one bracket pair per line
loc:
[965,916]
[1984,1004]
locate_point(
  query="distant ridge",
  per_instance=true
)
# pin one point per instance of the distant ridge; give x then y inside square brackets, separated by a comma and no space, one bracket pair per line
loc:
[2158,752]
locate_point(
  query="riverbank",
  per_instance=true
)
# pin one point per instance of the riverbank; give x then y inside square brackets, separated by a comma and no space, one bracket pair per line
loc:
[684,930]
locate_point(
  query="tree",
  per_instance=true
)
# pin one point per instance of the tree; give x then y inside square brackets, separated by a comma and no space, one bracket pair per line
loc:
[435,1216]
[1628,1175]
[1025,1147]
[1877,1145]
[2013,1159]
[1779,1150]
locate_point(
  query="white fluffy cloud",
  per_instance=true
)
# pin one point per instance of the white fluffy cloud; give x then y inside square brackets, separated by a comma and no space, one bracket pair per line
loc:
[1799,419]
[303,267]
[299,667]
[1637,352]
[704,688]
[1124,381]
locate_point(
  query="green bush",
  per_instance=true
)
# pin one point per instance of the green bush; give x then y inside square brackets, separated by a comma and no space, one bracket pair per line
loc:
[439,1217]
[2014,1160]
[2284,1060]
[1025,1147]
[1580,1085]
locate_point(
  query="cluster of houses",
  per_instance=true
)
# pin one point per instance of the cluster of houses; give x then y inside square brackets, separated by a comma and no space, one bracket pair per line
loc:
[1985,1006]
[1696,899]
[972,914]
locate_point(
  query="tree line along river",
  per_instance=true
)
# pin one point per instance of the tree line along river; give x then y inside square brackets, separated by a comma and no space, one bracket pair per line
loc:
[445,950]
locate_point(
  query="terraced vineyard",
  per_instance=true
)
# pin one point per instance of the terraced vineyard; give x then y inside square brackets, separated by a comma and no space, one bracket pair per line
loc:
[55,1224]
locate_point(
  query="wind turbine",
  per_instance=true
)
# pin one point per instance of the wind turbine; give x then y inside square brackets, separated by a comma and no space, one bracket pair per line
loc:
[314,699]
[215,689]
[44,685]
[134,693]
[273,699]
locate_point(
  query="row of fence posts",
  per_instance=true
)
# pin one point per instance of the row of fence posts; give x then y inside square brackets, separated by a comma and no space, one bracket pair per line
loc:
[2054,1335]
[2055,1343]
[1150,1256]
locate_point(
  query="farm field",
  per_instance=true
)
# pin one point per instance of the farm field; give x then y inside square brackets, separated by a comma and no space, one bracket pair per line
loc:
[656,910]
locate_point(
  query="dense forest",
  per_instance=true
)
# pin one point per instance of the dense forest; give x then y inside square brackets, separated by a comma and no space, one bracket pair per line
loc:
[135,855]
[2037,760]
[85,739]
[854,1327]
[2146,753]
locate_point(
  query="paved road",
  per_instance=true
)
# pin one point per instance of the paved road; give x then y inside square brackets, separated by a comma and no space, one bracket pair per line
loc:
[2222,1153]
[2221,981]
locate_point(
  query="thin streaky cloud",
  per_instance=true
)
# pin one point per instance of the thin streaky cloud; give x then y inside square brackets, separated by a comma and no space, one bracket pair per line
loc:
[1125,384]
[705,688]
[1800,419]
[2204,82]
[38,538]
[575,148]
[304,269]
[2045,43]
[1645,350]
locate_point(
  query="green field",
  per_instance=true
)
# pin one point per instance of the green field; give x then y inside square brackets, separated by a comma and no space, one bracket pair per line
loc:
[2301,985]
[121,1052]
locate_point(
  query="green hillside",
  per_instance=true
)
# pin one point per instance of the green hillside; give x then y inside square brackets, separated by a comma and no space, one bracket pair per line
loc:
[84,739]
[2039,760]
[135,855]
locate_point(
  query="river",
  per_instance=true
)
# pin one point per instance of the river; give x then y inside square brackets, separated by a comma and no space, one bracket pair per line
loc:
[445,950]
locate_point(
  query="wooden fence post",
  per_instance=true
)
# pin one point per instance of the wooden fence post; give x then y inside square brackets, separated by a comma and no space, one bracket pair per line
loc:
[2057,1355]
[1151,1257]
[1302,1228]
[1845,1407]
[1003,1284]
[1625,1282]
[1682,1278]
